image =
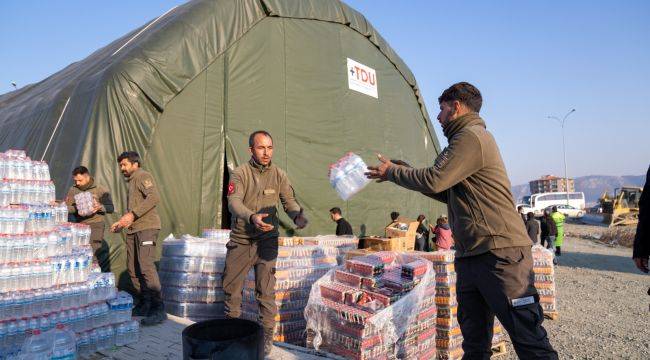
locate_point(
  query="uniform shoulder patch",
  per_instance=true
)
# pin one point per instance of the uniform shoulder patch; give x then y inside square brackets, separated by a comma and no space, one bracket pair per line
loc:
[231,188]
[147,183]
[442,159]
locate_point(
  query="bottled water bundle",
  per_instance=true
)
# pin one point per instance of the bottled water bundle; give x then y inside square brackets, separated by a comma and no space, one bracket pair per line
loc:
[191,269]
[49,287]
[347,175]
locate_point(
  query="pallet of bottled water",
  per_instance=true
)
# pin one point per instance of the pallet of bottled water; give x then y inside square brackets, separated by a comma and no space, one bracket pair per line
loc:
[49,284]
[191,269]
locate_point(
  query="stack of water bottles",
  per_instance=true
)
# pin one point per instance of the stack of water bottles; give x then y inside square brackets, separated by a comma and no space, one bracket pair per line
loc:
[190,274]
[347,175]
[47,275]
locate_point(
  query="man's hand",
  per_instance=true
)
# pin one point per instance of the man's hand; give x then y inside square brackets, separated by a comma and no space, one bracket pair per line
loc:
[257,220]
[642,264]
[379,172]
[97,207]
[300,220]
[124,222]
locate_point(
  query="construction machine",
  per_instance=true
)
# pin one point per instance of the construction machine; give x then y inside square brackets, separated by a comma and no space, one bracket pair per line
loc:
[623,207]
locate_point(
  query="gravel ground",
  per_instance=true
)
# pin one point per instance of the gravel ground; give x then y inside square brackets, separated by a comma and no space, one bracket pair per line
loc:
[602,302]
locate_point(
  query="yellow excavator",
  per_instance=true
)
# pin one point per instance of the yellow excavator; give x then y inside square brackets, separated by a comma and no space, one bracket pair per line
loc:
[623,207]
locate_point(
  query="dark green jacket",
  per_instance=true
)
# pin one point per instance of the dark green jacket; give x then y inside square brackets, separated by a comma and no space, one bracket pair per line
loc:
[142,200]
[469,176]
[254,188]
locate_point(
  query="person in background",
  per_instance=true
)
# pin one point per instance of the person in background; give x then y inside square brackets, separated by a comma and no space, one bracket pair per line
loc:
[641,251]
[558,219]
[103,204]
[442,234]
[532,228]
[142,225]
[548,230]
[422,235]
[343,227]
[520,210]
[393,217]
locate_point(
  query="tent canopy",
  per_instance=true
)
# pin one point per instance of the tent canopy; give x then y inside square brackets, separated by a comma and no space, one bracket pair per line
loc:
[186,89]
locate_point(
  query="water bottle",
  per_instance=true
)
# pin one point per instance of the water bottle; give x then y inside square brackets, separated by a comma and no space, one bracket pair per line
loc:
[5,193]
[64,344]
[133,332]
[94,340]
[83,342]
[37,346]
[120,334]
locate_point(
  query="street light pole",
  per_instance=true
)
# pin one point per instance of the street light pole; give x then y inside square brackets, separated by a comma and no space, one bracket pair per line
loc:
[566,177]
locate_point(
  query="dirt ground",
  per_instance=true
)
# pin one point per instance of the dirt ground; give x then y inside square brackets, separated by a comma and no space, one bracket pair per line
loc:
[602,300]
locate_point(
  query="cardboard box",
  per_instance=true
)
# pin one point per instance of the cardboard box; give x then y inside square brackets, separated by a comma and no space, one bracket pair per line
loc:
[406,238]
[389,244]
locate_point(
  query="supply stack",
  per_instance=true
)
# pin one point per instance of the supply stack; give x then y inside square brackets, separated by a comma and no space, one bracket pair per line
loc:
[545,280]
[191,269]
[449,339]
[376,306]
[47,274]
[301,262]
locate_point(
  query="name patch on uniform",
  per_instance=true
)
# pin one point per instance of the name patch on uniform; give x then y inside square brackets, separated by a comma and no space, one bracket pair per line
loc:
[147,184]
[231,188]
[269,191]
[523,301]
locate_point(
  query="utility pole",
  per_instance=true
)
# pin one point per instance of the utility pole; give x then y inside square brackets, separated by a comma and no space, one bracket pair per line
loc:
[566,177]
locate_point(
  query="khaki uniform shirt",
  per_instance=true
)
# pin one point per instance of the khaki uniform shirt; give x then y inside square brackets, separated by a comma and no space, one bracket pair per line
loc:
[100,194]
[470,177]
[142,200]
[254,188]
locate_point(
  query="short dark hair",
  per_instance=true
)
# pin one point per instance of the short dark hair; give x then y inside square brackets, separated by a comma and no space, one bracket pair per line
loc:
[394,215]
[132,156]
[251,137]
[554,209]
[531,215]
[465,93]
[80,170]
[335,210]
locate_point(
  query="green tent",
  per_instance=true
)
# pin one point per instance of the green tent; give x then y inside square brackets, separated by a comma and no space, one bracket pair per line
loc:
[186,89]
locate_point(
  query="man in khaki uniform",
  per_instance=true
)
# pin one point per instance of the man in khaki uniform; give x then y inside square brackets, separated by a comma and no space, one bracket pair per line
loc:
[493,252]
[142,225]
[103,204]
[254,191]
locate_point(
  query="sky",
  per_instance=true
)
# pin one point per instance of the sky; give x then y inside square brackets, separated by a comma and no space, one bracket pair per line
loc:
[530,59]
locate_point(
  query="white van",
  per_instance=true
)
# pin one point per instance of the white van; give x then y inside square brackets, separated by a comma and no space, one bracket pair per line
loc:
[538,202]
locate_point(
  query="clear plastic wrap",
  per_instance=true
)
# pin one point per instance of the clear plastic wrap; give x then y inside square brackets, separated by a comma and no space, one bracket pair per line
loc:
[390,315]
[195,311]
[191,271]
[192,264]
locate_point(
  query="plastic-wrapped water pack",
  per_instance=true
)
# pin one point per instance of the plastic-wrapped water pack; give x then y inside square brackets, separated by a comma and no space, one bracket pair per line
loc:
[191,270]
[347,175]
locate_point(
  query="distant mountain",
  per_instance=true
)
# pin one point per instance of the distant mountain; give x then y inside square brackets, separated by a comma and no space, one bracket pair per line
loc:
[593,186]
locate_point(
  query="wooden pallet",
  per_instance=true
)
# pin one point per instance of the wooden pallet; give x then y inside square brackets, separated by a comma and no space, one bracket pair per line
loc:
[499,349]
[551,315]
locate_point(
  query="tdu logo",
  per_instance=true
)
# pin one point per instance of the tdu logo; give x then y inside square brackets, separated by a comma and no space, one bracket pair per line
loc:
[362,78]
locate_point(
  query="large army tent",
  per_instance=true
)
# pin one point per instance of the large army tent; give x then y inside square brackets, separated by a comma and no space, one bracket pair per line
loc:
[186,89]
